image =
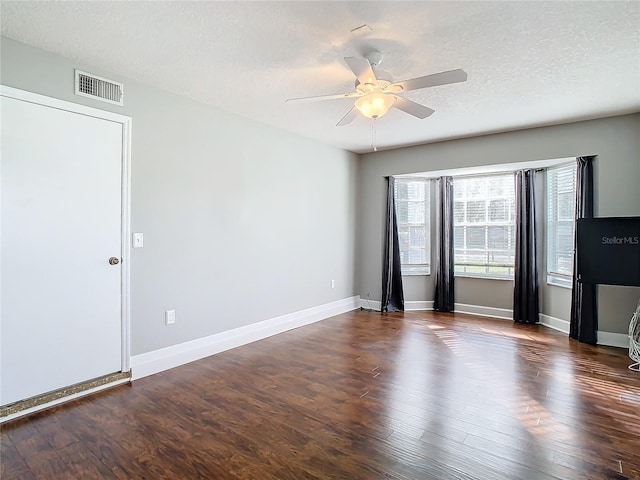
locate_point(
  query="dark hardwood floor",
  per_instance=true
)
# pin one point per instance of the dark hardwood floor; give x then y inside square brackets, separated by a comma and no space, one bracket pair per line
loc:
[358,396]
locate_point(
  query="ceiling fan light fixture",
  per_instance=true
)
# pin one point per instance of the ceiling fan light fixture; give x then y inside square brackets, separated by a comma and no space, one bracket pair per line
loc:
[375,105]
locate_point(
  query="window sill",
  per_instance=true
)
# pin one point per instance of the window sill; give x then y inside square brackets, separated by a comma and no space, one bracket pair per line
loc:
[481,277]
[558,284]
[417,274]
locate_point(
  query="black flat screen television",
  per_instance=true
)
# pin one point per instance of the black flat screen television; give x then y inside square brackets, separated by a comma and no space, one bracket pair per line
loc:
[609,250]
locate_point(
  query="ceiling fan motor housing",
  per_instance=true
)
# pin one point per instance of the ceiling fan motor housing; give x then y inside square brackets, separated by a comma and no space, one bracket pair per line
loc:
[378,86]
[374,58]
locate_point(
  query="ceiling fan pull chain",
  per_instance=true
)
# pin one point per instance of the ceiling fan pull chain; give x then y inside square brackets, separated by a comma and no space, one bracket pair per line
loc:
[373,136]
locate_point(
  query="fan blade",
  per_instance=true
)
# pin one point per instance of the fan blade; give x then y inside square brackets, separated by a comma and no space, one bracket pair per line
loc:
[443,78]
[412,108]
[348,118]
[322,97]
[361,68]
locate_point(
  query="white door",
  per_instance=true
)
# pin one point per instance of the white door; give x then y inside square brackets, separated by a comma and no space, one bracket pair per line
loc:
[61,213]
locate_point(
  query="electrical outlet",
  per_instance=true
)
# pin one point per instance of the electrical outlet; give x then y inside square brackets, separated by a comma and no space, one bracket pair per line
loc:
[169,317]
[333,284]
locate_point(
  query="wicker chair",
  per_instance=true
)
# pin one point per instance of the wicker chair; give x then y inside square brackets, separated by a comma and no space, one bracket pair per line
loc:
[634,340]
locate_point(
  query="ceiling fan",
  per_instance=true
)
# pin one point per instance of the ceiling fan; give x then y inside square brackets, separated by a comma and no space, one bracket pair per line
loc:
[376,92]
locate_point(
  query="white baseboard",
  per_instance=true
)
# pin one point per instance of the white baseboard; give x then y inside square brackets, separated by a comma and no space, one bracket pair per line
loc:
[554,323]
[613,339]
[426,305]
[608,339]
[157,361]
[370,304]
[412,306]
[483,311]
[409,306]
[604,338]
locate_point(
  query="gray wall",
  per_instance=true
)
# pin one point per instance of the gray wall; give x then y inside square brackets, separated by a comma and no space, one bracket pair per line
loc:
[615,140]
[242,222]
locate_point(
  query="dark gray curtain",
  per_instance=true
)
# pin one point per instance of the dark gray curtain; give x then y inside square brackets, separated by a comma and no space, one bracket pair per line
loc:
[584,308]
[445,292]
[392,295]
[525,291]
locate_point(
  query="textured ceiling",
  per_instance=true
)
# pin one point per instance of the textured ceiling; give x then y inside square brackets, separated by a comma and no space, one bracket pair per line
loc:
[529,63]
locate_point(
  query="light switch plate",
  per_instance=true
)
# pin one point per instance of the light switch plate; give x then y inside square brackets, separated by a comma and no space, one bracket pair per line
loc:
[138,240]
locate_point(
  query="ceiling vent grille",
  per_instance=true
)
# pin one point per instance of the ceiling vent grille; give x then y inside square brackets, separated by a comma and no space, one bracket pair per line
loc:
[98,88]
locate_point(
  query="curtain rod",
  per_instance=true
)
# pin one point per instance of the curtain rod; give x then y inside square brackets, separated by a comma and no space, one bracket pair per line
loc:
[468,175]
[491,174]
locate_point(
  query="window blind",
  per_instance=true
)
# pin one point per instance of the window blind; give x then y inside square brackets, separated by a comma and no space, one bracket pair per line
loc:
[484,225]
[561,193]
[413,213]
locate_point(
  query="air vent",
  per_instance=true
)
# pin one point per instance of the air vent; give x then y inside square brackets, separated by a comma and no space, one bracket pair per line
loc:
[98,88]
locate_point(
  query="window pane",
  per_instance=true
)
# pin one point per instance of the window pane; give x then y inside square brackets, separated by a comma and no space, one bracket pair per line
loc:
[458,237]
[564,248]
[499,238]
[566,206]
[417,256]
[477,211]
[415,191]
[404,237]
[496,186]
[401,190]
[476,188]
[484,213]
[415,212]
[402,212]
[412,211]
[418,236]
[458,211]
[498,210]
[476,238]
[560,211]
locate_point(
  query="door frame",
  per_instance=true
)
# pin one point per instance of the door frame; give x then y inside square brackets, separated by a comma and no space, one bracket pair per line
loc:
[125,188]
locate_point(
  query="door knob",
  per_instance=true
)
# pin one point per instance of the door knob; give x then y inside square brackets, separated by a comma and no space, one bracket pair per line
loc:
[114,261]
